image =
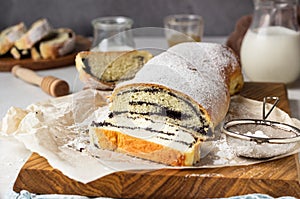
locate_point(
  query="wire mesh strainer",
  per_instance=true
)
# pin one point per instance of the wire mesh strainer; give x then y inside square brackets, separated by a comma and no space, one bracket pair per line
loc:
[261,138]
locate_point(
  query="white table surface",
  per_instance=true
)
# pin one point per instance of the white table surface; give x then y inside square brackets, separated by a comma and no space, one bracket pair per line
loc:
[14,92]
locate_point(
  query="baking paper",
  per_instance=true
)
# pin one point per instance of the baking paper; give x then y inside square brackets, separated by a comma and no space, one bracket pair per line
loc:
[57,130]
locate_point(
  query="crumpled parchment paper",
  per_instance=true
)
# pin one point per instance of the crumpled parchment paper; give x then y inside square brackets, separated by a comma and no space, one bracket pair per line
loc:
[57,130]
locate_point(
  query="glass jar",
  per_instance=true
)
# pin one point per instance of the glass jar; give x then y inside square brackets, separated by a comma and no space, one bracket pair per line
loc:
[183,28]
[270,50]
[112,34]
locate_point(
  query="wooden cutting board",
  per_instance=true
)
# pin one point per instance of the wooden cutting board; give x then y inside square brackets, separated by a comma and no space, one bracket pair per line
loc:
[276,178]
[82,43]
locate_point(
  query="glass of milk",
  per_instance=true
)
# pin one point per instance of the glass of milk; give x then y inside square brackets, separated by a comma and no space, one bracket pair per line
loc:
[270,50]
[112,34]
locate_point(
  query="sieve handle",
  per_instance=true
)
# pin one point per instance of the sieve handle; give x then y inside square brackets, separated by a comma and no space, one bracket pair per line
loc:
[265,116]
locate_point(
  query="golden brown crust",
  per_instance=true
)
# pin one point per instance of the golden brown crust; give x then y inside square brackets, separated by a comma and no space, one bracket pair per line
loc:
[236,82]
[120,142]
[233,72]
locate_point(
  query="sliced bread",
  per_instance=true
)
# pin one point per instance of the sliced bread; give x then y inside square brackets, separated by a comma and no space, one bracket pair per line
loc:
[38,30]
[9,35]
[61,44]
[104,69]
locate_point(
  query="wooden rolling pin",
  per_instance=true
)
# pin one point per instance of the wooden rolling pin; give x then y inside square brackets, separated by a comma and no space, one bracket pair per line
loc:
[51,85]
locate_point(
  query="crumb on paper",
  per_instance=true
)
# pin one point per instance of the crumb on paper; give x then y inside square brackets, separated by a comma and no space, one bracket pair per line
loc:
[79,142]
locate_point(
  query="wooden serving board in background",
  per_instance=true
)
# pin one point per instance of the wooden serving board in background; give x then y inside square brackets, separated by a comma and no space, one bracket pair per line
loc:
[82,43]
[276,178]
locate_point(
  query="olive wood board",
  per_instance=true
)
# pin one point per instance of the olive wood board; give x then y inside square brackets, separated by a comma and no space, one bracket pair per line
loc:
[276,178]
[82,43]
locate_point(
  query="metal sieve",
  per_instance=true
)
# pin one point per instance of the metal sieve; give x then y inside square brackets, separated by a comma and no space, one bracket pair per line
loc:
[255,138]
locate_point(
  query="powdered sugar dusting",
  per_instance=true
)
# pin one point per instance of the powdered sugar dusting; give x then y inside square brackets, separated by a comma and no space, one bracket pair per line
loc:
[259,134]
[209,56]
[196,69]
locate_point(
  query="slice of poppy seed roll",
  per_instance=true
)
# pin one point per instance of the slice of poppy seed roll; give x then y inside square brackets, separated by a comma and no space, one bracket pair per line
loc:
[144,138]
[160,104]
[102,70]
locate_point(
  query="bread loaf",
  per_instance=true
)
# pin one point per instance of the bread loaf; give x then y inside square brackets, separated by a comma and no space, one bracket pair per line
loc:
[102,70]
[172,105]
[9,35]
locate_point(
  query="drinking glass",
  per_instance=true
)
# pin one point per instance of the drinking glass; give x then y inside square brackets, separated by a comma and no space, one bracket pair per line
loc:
[112,34]
[183,28]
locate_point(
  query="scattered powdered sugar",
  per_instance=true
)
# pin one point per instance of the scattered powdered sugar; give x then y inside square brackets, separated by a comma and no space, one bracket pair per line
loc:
[224,155]
[218,153]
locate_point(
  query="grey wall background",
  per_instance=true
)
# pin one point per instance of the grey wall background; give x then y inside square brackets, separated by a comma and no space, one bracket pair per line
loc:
[220,15]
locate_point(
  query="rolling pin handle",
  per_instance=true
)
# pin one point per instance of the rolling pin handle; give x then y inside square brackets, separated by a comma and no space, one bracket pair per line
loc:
[27,75]
[51,85]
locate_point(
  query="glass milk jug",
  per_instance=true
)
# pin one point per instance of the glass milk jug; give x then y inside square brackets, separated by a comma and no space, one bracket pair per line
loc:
[112,34]
[270,50]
